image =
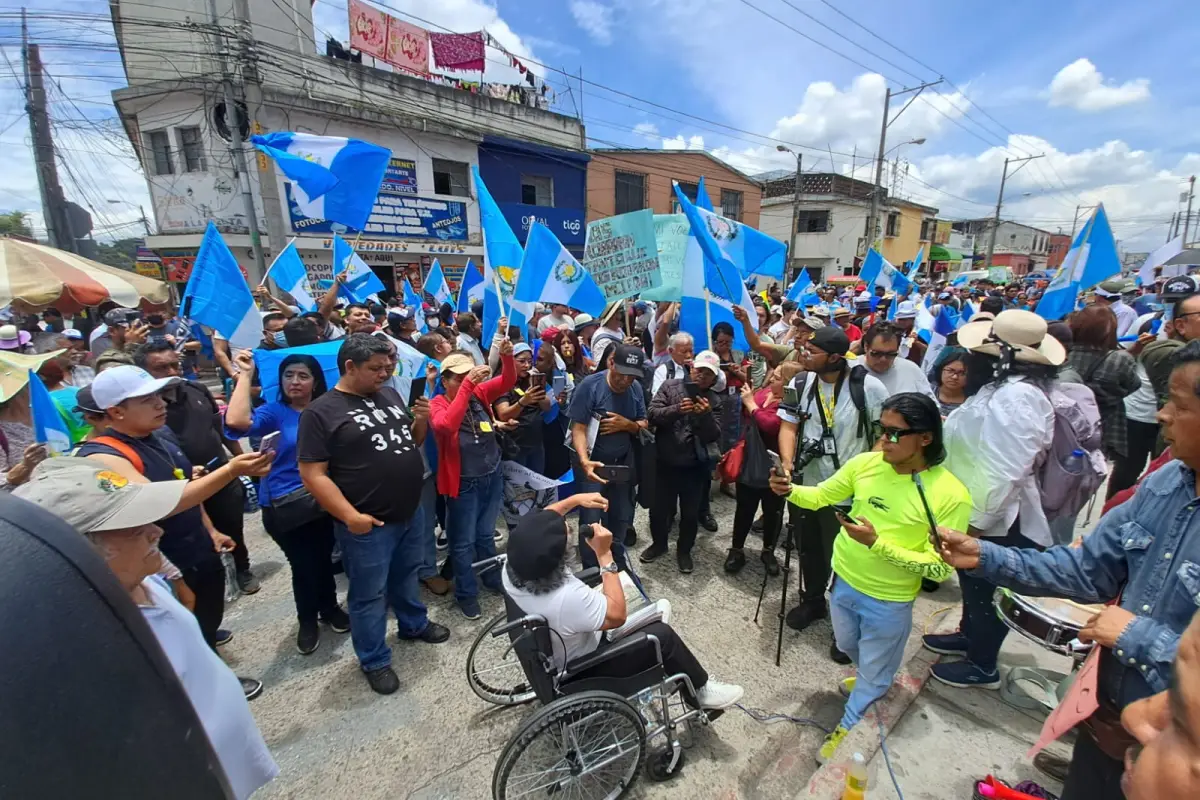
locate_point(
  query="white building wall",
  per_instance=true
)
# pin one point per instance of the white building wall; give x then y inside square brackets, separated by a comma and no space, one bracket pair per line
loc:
[832,251]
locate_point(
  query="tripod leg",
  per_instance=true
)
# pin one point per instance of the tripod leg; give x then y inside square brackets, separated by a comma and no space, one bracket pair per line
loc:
[789,544]
[762,591]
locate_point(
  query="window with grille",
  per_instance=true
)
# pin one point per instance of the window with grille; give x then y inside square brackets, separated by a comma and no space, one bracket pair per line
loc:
[451,178]
[893,224]
[159,145]
[731,204]
[630,192]
[191,149]
[812,221]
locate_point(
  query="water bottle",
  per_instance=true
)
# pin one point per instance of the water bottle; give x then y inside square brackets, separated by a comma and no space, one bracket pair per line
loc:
[1074,462]
[856,779]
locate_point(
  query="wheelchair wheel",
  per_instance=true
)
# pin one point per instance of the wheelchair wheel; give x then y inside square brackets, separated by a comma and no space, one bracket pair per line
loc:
[493,670]
[588,746]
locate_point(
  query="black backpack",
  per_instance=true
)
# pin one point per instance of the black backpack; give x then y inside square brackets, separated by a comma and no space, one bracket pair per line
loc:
[858,394]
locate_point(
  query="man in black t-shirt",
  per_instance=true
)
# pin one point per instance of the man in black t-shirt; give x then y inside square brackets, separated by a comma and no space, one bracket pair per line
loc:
[360,455]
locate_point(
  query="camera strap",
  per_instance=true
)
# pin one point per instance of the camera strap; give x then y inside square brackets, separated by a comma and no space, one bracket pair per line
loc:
[826,424]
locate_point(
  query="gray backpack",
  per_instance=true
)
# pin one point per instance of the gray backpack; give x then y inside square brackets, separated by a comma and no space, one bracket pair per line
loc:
[1066,481]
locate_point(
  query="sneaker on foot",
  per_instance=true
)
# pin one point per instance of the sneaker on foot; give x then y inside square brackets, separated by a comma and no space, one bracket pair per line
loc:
[846,685]
[770,563]
[383,680]
[442,541]
[685,563]
[224,637]
[928,585]
[251,686]
[470,608]
[437,584]
[804,615]
[830,745]
[757,525]
[497,535]
[837,655]
[1053,765]
[308,639]
[652,552]
[248,582]
[714,695]
[735,560]
[433,633]
[964,675]
[709,523]
[948,644]
[337,619]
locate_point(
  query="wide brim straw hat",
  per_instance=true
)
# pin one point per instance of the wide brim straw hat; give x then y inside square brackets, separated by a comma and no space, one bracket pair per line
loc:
[1023,331]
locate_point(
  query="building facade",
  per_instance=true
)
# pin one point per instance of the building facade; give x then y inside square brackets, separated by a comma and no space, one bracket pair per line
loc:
[1060,243]
[1022,248]
[620,181]
[180,129]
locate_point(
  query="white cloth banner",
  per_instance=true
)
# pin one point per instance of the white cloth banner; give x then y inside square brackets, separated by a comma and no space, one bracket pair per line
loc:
[525,491]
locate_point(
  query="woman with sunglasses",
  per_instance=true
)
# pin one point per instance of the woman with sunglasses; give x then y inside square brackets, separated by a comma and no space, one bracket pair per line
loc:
[884,548]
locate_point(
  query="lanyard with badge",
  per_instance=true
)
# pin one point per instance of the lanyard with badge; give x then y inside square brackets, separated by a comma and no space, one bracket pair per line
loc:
[825,412]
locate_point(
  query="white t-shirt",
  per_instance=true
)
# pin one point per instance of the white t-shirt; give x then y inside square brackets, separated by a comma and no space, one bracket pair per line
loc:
[551,321]
[215,692]
[1142,405]
[845,420]
[904,376]
[573,611]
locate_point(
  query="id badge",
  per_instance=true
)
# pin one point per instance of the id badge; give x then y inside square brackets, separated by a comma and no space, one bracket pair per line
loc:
[485,426]
[828,445]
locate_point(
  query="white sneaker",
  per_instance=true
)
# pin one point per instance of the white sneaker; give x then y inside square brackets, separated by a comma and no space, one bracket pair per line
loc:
[714,694]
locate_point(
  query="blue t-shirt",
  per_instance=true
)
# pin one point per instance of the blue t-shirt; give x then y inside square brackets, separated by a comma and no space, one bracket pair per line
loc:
[284,476]
[593,399]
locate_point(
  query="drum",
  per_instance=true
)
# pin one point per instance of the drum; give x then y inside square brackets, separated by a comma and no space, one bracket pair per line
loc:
[1051,622]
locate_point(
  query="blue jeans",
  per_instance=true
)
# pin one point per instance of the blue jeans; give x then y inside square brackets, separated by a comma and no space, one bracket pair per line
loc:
[617,519]
[381,567]
[873,633]
[980,623]
[429,497]
[471,526]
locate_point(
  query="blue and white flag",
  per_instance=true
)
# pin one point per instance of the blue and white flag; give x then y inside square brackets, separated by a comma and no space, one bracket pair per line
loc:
[435,284]
[945,323]
[702,199]
[335,178]
[362,281]
[1091,259]
[471,288]
[502,266]
[803,293]
[414,301]
[747,251]
[961,279]
[288,272]
[217,294]
[915,264]
[698,313]
[876,271]
[49,428]
[410,363]
[550,274]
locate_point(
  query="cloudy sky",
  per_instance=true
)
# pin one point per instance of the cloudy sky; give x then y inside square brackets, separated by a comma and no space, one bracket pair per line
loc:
[1105,92]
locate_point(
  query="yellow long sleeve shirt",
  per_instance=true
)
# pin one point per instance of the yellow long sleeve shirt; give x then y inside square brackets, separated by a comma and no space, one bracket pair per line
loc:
[892,568]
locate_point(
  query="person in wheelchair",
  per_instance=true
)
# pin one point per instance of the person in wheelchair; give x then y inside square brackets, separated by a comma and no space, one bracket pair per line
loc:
[538,579]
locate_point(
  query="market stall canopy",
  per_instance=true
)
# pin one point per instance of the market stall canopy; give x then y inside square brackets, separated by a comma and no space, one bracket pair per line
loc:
[940,253]
[1186,258]
[41,276]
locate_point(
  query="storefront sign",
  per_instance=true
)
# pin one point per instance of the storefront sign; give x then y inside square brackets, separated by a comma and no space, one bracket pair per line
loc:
[179,266]
[400,177]
[565,223]
[394,216]
[622,255]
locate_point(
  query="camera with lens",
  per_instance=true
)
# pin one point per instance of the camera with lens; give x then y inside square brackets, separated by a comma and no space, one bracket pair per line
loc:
[809,449]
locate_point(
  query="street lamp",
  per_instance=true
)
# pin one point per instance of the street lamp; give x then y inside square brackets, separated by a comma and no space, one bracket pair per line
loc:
[795,200]
[897,147]
[142,211]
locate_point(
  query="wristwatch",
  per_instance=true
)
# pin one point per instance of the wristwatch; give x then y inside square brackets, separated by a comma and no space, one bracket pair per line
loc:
[613,568]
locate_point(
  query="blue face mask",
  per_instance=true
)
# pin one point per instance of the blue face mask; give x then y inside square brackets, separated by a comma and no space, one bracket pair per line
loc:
[279,339]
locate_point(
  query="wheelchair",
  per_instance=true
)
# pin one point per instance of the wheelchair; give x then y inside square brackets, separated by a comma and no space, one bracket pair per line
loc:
[591,736]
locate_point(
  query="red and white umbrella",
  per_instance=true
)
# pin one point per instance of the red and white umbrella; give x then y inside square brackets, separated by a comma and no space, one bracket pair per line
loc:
[40,276]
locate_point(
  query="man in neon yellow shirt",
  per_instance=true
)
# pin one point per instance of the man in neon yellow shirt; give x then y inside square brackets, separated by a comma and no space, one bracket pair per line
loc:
[884,549]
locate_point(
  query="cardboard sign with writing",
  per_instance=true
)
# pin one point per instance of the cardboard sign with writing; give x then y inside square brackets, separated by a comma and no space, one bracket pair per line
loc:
[671,232]
[621,254]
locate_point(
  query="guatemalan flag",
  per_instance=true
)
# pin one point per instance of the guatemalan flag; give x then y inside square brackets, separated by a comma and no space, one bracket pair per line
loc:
[876,271]
[550,274]
[502,268]
[916,264]
[945,322]
[435,285]
[217,294]
[1091,259]
[471,288]
[802,292]
[49,428]
[361,282]
[702,198]
[414,301]
[334,178]
[288,272]
[749,251]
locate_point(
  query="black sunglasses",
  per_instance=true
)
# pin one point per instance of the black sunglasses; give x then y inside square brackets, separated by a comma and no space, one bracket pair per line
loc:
[894,435]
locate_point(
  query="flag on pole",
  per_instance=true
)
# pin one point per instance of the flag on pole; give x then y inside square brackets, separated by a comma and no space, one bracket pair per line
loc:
[217,294]
[362,281]
[915,264]
[502,266]
[699,310]
[1091,259]
[471,288]
[49,428]
[802,292]
[335,178]
[877,271]
[435,284]
[288,272]
[702,199]
[747,251]
[1159,257]
[946,322]
[550,274]
[414,301]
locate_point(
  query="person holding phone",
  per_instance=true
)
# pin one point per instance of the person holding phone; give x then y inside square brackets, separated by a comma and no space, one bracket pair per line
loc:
[885,548]
[290,514]
[683,413]
[527,403]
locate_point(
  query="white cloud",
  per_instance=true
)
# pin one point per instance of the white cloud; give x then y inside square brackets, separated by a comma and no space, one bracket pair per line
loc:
[647,130]
[1079,85]
[681,143]
[595,18]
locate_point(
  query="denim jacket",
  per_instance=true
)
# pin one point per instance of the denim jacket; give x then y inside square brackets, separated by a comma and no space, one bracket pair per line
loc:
[1147,550]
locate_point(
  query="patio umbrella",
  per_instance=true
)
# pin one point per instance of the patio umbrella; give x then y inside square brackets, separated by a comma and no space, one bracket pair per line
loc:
[41,276]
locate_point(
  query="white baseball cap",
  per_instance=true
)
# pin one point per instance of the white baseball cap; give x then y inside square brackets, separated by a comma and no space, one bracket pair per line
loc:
[707,359]
[116,385]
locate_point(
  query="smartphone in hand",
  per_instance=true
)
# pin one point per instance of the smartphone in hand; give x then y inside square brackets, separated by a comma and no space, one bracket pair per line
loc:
[845,518]
[776,463]
[269,443]
[615,473]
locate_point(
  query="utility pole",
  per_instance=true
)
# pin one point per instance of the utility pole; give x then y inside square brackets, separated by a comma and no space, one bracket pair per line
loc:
[1187,220]
[145,222]
[1075,220]
[58,232]
[795,204]
[1171,226]
[1000,202]
[873,219]
[235,145]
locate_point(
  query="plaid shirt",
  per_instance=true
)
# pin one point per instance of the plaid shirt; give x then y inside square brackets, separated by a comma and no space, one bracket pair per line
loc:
[1112,376]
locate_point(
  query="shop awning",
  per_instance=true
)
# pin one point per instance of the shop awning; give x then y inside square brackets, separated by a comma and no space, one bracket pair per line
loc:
[940,253]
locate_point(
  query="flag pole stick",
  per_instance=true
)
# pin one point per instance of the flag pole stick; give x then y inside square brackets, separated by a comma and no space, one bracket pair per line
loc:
[500,299]
[708,317]
[263,282]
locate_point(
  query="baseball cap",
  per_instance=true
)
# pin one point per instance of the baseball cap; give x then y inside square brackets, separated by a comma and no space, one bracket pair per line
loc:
[71,333]
[584,320]
[85,402]
[118,316]
[629,360]
[91,498]
[945,296]
[1110,288]
[708,360]
[906,310]
[402,314]
[831,340]
[812,323]
[537,545]
[457,364]
[118,384]
[521,347]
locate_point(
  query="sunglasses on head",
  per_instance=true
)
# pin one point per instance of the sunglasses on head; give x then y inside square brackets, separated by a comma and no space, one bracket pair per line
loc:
[894,435]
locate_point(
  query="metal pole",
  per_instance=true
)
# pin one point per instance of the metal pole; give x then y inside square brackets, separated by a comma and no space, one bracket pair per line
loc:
[795,211]
[235,146]
[1187,220]
[873,219]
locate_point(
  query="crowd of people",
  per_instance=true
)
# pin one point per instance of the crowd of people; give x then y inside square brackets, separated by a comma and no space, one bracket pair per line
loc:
[900,462]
